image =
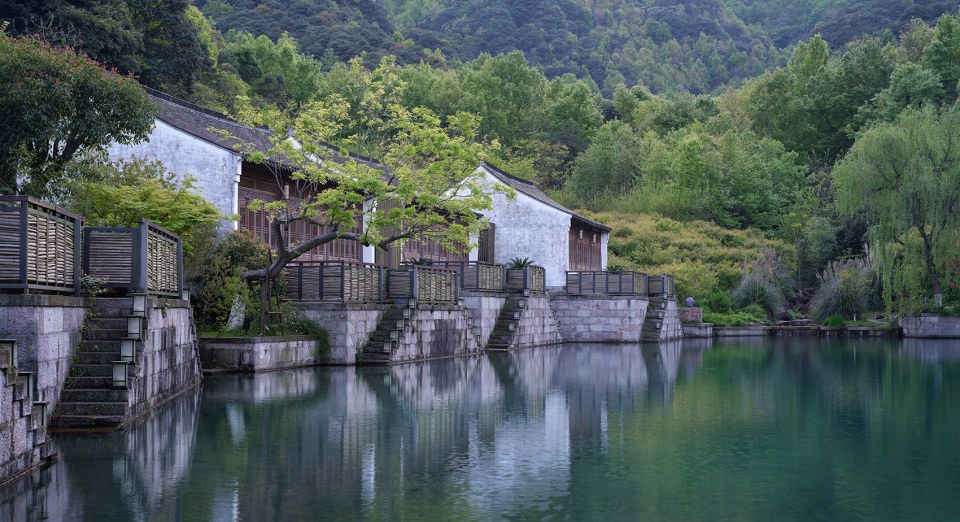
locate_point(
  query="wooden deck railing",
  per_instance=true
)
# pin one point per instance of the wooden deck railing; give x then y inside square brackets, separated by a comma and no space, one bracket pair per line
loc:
[145,259]
[532,278]
[426,284]
[660,285]
[335,281]
[39,246]
[606,283]
[477,276]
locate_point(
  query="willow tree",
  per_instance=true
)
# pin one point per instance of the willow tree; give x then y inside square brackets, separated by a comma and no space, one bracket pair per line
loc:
[906,176]
[423,183]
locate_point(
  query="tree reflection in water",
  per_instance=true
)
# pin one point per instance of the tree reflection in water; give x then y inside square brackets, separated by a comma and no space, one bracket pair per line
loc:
[746,428]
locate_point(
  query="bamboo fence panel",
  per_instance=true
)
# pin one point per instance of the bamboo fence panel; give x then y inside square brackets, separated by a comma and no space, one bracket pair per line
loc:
[163,262]
[109,256]
[38,249]
[436,285]
[606,283]
[477,276]
[336,281]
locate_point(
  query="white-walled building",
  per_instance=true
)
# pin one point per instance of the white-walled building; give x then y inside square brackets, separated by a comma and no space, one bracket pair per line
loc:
[535,227]
[186,140]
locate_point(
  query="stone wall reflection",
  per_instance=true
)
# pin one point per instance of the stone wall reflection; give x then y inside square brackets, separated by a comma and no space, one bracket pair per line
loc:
[136,474]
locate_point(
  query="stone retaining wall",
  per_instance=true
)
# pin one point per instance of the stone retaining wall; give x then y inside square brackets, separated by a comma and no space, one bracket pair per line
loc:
[435,331]
[484,307]
[46,328]
[931,326]
[599,319]
[255,354]
[168,357]
[538,324]
[694,330]
[348,326]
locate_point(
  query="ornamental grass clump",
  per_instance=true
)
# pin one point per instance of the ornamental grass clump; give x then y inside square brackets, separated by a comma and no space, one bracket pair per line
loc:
[847,288]
[759,284]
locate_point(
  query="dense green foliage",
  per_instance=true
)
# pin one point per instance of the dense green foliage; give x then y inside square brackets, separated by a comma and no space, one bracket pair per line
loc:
[723,122]
[55,104]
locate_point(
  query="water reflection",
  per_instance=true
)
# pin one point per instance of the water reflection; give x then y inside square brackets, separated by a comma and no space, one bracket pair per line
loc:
[746,428]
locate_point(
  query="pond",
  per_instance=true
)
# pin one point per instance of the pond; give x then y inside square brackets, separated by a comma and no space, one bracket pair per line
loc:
[749,429]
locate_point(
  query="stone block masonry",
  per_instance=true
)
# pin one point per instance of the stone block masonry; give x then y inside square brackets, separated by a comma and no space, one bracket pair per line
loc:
[348,326]
[257,354]
[46,328]
[598,318]
[931,326]
[483,308]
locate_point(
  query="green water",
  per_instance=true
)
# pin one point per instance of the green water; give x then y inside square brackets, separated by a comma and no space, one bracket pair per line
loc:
[749,429]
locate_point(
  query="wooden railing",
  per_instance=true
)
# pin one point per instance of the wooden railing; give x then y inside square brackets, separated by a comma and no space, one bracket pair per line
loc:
[39,246]
[660,285]
[606,283]
[335,281]
[426,284]
[145,259]
[477,276]
[532,278]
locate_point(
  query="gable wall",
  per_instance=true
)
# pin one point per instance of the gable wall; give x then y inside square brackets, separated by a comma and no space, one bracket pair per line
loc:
[216,170]
[528,228]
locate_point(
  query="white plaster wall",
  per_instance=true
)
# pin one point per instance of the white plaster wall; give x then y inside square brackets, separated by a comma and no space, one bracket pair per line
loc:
[531,229]
[216,169]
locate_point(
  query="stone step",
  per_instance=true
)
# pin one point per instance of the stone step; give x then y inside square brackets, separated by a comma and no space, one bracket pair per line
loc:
[91,370]
[112,409]
[99,346]
[107,323]
[95,334]
[89,383]
[95,395]
[85,422]
[105,357]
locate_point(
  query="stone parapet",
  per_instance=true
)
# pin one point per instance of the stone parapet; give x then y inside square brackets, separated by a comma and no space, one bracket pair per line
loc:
[691,314]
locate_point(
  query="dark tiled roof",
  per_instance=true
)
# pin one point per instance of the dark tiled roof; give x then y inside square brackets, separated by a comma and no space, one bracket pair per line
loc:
[198,122]
[530,189]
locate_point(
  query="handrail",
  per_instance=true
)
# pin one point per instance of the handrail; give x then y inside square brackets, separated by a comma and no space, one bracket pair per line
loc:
[477,275]
[335,281]
[423,283]
[660,285]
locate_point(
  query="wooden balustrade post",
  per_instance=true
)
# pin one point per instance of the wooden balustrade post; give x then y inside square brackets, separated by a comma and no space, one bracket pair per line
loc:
[140,257]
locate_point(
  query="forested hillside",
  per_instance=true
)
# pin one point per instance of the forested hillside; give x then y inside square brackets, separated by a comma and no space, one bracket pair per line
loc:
[667,45]
[760,192]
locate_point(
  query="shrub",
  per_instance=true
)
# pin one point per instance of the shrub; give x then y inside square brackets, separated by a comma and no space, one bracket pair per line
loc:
[218,280]
[717,300]
[741,318]
[834,321]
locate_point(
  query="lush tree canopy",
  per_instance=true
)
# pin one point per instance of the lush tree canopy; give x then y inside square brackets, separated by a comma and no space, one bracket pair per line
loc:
[55,104]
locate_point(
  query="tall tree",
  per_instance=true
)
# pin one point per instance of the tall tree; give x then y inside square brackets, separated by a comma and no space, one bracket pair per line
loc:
[54,104]
[425,182]
[906,176]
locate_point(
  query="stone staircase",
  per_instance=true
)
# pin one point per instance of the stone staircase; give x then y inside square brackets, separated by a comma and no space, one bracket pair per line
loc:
[653,322]
[395,324]
[89,400]
[519,325]
[508,323]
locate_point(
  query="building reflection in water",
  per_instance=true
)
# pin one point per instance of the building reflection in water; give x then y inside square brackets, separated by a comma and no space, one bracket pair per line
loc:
[489,435]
